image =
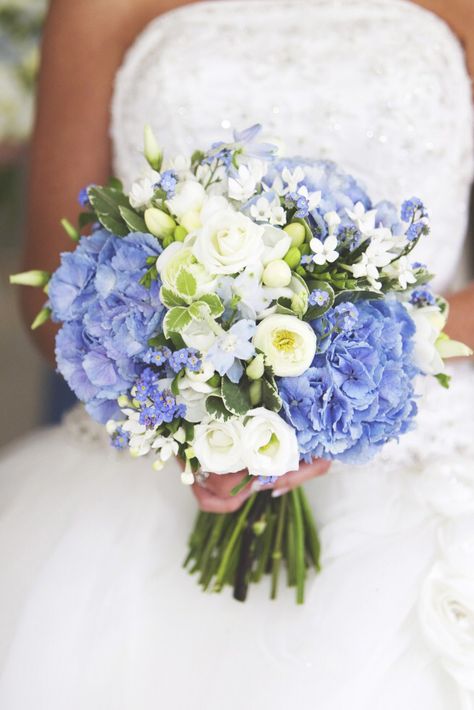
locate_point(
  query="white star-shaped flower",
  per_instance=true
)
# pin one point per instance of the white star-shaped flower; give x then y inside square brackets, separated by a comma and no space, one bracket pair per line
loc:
[401,269]
[292,179]
[324,252]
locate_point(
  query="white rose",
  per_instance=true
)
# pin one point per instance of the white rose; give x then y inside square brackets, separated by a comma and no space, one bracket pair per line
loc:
[198,335]
[447,617]
[228,242]
[288,343]
[271,447]
[218,445]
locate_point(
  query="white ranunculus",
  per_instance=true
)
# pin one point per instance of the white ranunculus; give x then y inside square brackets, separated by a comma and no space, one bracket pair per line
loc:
[288,343]
[447,618]
[277,242]
[271,447]
[176,256]
[228,242]
[218,445]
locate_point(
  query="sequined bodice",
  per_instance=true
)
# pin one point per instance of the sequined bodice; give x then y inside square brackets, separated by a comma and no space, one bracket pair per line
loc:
[379,86]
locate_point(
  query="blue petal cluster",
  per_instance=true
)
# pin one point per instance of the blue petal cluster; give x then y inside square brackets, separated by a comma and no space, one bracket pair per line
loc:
[157,405]
[108,316]
[359,393]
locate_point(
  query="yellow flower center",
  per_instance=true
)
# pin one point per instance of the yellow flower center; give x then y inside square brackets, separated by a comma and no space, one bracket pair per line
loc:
[284,340]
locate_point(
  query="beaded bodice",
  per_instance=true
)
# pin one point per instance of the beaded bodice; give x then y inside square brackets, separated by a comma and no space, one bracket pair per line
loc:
[380,86]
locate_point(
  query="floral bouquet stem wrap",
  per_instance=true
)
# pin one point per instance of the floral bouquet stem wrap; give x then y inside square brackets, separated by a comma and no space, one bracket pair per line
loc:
[245,311]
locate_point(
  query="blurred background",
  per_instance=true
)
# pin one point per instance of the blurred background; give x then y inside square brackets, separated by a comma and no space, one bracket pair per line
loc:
[26,382]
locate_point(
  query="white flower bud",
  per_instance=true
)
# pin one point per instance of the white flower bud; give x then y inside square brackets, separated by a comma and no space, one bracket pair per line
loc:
[159,223]
[152,150]
[31,278]
[277,274]
[256,368]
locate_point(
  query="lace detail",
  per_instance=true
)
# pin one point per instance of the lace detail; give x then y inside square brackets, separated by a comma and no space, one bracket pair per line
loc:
[380,86]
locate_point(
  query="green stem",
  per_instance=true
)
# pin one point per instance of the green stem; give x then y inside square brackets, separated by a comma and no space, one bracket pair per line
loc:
[312,538]
[276,554]
[222,569]
[299,546]
[240,486]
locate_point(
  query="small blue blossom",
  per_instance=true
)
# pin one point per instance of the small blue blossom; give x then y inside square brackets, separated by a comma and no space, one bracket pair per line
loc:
[168,182]
[186,357]
[83,196]
[161,407]
[418,265]
[306,259]
[422,297]
[230,348]
[267,480]
[345,316]
[349,237]
[157,357]
[318,297]
[120,438]
[415,231]
[413,210]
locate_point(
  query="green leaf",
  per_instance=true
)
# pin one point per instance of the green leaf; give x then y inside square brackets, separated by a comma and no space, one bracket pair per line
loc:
[115,183]
[159,341]
[357,295]
[176,320]
[132,220]
[198,310]
[106,202]
[444,380]
[270,397]
[216,408]
[86,218]
[236,397]
[214,302]
[283,306]
[169,298]
[186,283]
[175,383]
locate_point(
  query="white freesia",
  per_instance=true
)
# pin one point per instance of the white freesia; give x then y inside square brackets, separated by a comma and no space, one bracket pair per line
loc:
[429,323]
[198,335]
[228,242]
[189,196]
[194,389]
[142,190]
[276,244]
[242,185]
[218,445]
[288,343]
[271,447]
[447,602]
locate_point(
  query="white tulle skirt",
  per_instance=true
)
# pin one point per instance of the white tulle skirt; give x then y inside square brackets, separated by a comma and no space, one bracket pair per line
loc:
[96,611]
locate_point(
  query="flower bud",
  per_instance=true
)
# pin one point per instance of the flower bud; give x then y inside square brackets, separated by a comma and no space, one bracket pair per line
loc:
[277,274]
[159,223]
[180,435]
[256,368]
[41,318]
[293,257]
[123,401]
[180,233]
[158,465]
[297,232]
[214,381]
[152,150]
[70,230]
[255,392]
[30,278]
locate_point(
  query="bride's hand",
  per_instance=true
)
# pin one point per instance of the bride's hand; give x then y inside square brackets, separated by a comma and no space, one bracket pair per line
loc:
[214,494]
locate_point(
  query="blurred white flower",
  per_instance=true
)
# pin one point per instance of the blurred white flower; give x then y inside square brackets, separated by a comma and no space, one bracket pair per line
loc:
[271,447]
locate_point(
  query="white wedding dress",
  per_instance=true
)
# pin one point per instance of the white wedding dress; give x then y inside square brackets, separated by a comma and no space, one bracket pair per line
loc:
[96,612]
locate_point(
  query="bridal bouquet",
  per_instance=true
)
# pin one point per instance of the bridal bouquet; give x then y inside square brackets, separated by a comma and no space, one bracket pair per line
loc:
[246,312]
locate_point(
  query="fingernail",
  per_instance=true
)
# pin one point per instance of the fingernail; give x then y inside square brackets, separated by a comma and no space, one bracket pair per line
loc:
[278,492]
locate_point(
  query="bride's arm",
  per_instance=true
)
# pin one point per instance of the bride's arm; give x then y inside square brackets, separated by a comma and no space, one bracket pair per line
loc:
[83,46]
